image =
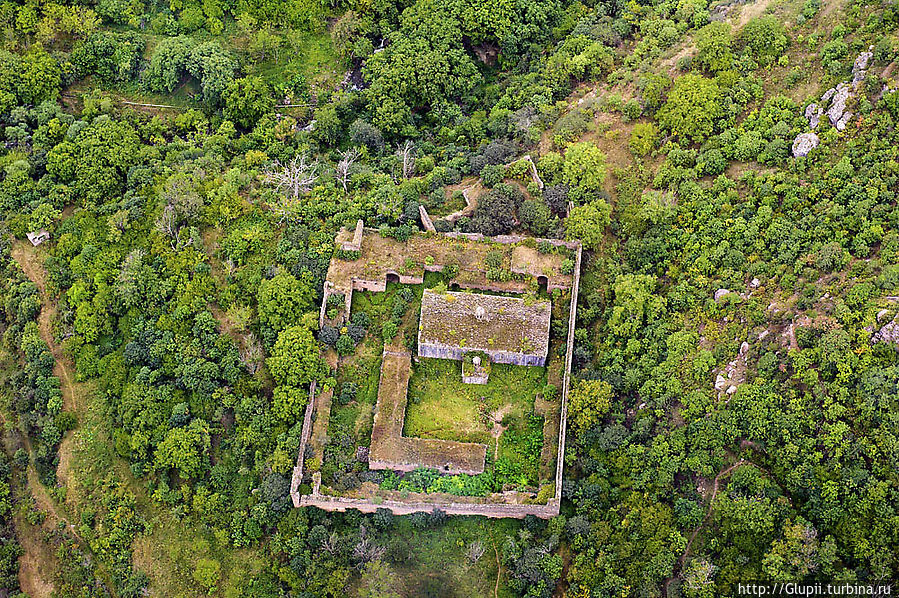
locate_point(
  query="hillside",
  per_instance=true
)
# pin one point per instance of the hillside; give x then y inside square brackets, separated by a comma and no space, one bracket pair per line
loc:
[730,169]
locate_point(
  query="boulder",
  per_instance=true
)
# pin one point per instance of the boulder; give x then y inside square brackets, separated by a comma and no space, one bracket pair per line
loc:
[860,68]
[721,293]
[837,111]
[804,143]
[813,114]
[888,334]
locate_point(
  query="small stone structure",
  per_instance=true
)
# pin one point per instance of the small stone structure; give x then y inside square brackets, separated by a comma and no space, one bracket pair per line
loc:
[508,329]
[37,237]
[474,371]
[356,243]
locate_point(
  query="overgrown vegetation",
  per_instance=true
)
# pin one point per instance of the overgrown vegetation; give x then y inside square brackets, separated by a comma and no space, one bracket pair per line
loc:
[189,241]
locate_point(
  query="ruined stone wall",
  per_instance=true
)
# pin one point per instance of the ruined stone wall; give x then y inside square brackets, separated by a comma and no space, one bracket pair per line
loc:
[566,380]
[493,510]
[426,219]
[378,286]
[440,351]
[297,477]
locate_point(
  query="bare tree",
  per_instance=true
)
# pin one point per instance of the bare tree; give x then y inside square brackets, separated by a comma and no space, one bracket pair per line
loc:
[406,154]
[347,159]
[366,550]
[293,178]
[475,551]
[251,354]
[168,225]
[329,544]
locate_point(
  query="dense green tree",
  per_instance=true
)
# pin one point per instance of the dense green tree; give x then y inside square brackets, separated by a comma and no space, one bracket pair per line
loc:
[588,223]
[247,100]
[693,108]
[584,170]
[713,47]
[283,300]
[295,360]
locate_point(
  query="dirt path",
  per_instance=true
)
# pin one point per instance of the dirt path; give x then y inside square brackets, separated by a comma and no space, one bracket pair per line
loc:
[680,561]
[750,11]
[34,565]
[499,571]
[31,259]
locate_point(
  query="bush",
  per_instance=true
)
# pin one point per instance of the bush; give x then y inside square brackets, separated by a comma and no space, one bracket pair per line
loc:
[764,38]
[348,392]
[643,139]
[493,174]
[389,330]
[345,345]
[328,335]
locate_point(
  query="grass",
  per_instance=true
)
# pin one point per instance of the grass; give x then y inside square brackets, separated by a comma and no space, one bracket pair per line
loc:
[450,206]
[442,406]
[438,566]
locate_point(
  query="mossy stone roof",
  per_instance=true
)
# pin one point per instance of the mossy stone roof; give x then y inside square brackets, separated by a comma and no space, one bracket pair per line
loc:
[487,323]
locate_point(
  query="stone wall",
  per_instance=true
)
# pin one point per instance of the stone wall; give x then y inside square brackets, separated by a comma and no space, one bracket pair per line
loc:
[492,510]
[439,351]
[297,477]
[426,219]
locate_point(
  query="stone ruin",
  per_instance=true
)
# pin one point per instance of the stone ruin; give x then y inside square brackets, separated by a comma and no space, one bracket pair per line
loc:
[475,372]
[507,329]
[356,243]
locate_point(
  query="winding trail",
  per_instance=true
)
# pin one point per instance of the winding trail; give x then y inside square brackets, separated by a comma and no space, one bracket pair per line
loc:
[708,513]
[33,574]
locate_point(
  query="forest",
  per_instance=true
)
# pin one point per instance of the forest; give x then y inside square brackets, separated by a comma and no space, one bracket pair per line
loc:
[731,169]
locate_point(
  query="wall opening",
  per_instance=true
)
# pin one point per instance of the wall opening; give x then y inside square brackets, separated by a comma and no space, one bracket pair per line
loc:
[391,277]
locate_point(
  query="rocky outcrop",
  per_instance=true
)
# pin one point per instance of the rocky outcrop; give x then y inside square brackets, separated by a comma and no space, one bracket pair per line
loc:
[860,68]
[889,332]
[836,99]
[837,113]
[813,114]
[804,143]
[733,374]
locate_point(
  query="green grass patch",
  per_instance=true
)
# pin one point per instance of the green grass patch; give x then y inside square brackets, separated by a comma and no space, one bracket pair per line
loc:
[442,406]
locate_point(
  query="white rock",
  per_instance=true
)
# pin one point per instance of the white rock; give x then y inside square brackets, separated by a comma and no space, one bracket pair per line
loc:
[720,382]
[731,390]
[860,68]
[763,334]
[755,283]
[804,143]
[828,94]
[744,348]
[721,293]
[813,114]
[838,106]
[881,314]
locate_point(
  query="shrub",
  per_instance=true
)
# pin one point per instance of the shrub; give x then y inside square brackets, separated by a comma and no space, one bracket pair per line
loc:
[389,330]
[764,38]
[643,139]
[493,174]
[328,335]
[345,345]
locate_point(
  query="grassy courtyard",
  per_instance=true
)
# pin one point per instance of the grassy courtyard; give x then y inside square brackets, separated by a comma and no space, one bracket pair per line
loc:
[499,413]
